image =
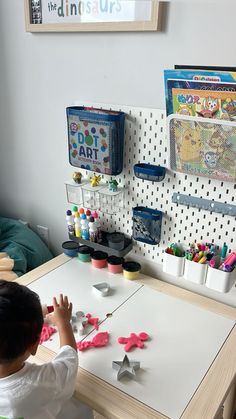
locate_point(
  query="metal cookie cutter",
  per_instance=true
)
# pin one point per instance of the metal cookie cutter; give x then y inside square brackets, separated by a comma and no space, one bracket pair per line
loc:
[126,367]
[102,288]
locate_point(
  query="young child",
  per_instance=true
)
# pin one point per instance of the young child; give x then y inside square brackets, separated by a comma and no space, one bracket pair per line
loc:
[29,391]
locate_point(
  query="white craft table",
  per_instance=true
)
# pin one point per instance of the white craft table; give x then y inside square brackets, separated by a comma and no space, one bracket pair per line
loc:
[188,367]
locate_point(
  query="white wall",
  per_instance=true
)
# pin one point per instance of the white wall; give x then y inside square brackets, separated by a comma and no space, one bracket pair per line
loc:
[41,74]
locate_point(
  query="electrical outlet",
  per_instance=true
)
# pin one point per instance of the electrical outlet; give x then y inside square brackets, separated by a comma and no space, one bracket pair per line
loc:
[43,232]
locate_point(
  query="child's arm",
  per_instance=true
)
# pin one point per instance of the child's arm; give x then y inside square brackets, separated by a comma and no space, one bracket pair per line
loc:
[61,318]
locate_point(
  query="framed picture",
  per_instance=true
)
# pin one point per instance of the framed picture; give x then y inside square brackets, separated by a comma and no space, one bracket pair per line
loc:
[92,15]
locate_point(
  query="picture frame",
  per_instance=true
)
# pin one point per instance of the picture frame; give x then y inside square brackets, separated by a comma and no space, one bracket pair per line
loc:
[92,15]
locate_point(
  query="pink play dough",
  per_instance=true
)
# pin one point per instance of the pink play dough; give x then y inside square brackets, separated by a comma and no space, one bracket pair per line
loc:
[134,340]
[47,331]
[100,339]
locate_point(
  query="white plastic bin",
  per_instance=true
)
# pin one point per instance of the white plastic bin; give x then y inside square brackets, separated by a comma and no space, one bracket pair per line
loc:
[173,265]
[195,272]
[219,280]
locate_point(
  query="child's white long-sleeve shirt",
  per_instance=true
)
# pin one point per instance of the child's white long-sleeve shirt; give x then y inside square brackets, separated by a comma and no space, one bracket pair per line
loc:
[39,391]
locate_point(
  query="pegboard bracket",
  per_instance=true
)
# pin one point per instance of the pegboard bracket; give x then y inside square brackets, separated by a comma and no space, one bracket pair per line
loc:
[204,204]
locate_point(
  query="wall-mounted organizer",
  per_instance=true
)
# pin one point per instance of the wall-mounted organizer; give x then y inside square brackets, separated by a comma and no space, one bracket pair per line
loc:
[173,265]
[74,192]
[149,172]
[96,139]
[145,141]
[147,225]
[95,197]
[208,205]
[202,146]
[111,202]
[105,244]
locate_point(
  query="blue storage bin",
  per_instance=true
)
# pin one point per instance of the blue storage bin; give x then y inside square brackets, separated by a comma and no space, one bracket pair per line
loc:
[147,225]
[149,172]
[96,139]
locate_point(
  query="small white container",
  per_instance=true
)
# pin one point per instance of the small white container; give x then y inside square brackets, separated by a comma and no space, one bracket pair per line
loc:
[195,272]
[91,196]
[111,202]
[173,265]
[74,192]
[219,280]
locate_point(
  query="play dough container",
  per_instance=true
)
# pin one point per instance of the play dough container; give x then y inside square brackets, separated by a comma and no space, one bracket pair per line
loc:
[84,253]
[114,264]
[131,270]
[70,248]
[99,259]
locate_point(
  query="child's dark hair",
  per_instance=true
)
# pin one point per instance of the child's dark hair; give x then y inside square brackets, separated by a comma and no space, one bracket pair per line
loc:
[21,320]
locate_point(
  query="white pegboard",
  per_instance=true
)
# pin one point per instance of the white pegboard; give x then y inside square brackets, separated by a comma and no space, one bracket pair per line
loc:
[146,142]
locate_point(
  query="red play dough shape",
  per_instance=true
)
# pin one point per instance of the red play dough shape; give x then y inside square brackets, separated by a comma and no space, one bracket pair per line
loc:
[92,320]
[100,339]
[133,340]
[47,331]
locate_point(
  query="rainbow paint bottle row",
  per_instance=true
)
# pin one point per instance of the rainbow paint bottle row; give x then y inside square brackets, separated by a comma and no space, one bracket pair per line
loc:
[84,223]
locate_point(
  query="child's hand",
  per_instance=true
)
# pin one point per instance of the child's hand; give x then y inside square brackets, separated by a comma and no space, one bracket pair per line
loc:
[62,311]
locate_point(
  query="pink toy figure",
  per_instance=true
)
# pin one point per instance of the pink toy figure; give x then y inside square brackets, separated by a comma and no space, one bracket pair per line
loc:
[134,340]
[92,320]
[99,340]
[46,332]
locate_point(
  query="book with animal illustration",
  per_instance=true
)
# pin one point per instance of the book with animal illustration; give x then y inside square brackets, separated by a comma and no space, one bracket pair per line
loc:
[207,104]
[207,86]
[203,147]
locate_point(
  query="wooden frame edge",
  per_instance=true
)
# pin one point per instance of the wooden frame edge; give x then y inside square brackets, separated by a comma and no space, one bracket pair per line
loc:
[149,26]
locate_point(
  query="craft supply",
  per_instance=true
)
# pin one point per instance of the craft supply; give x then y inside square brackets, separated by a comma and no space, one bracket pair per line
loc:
[126,367]
[46,333]
[133,340]
[81,322]
[223,253]
[116,240]
[74,210]
[98,225]
[70,248]
[84,253]
[92,320]
[114,264]
[47,309]
[84,227]
[77,225]
[96,139]
[102,288]
[99,340]
[131,269]
[93,234]
[70,222]
[99,259]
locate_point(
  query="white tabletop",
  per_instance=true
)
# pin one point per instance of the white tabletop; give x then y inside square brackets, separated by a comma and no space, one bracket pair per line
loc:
[184,341]
[75,279]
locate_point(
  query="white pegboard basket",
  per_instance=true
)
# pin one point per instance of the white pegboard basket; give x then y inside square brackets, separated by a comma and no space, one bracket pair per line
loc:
[202,146]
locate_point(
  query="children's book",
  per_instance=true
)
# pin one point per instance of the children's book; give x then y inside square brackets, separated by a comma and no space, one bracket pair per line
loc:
[204,103]
[194,84]
[96,139]
[197,75]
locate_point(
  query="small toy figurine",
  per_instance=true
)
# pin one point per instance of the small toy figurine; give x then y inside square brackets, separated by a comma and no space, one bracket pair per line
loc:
[112,185]
[94,180]
[77,176]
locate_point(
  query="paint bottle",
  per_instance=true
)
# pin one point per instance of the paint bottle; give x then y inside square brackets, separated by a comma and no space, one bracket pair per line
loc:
[84,227]
[70,222]
[98,226]
[74,210]
[77,225]
[92,230]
